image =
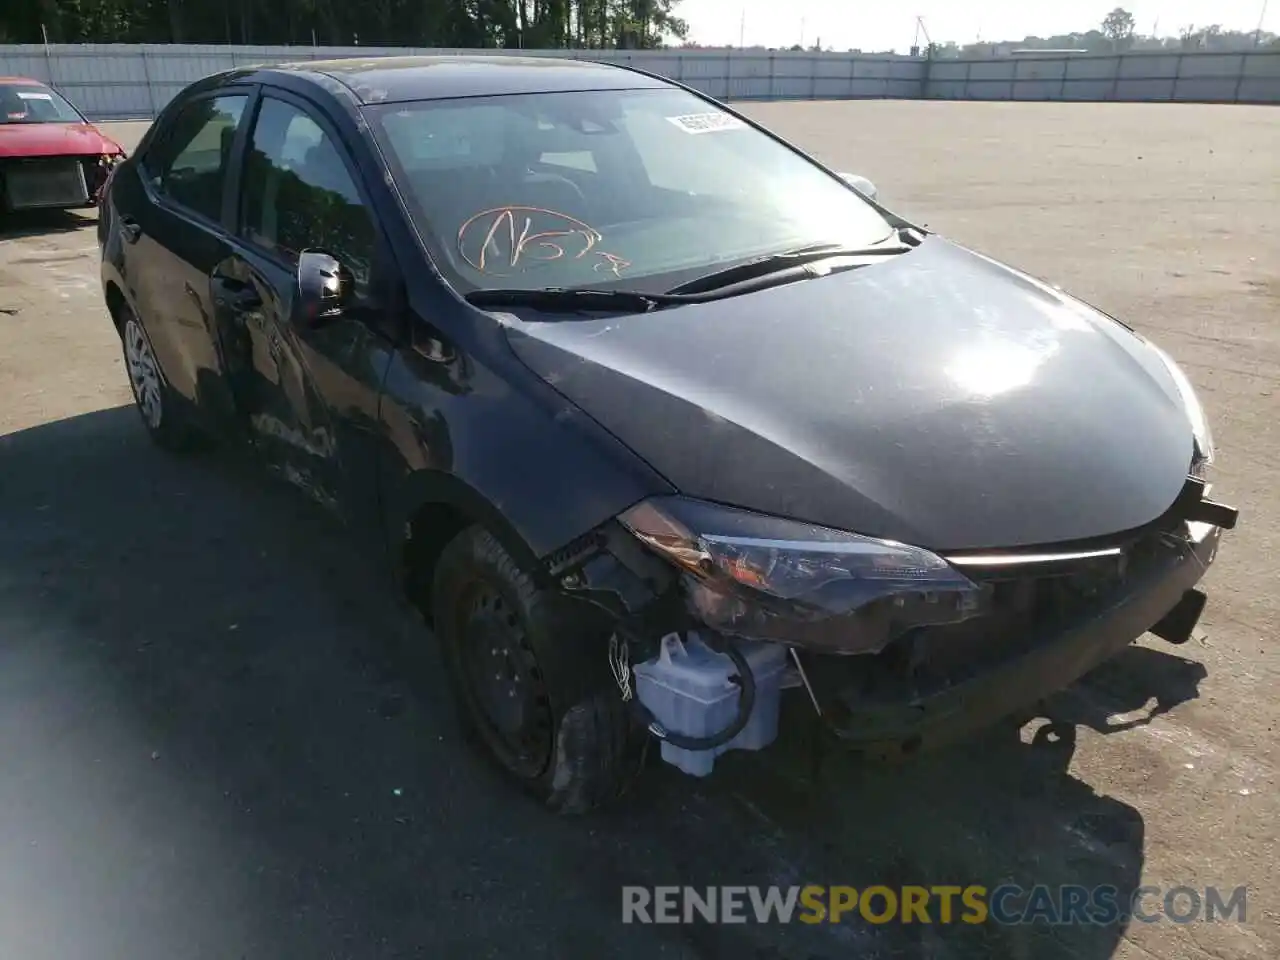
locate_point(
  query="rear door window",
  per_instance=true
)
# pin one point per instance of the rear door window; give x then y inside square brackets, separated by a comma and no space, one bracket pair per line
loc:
[191,161]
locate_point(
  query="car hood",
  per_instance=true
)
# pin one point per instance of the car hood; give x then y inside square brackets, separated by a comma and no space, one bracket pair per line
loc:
[53,140]
[937,398]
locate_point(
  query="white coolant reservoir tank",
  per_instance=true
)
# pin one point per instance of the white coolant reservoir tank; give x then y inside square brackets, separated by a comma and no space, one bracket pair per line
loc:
[687,689]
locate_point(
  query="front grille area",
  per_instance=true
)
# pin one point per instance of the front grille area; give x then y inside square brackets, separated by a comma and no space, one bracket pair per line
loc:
[1023,605]
[45,182]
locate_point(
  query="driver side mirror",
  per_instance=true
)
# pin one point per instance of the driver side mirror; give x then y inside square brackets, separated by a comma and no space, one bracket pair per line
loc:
[324,286]
[861,184]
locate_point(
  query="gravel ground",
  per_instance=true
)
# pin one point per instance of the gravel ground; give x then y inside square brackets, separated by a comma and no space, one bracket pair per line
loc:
[211,747]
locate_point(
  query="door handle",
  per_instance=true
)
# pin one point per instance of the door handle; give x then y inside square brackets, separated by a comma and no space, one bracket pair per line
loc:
[235,294]
[130,229]
[246,300]
[433,348]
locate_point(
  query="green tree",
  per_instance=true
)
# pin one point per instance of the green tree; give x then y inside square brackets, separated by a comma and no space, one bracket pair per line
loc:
[1118,27]
[419,23]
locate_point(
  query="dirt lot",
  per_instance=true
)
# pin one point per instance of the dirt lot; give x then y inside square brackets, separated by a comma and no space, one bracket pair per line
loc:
[210,748]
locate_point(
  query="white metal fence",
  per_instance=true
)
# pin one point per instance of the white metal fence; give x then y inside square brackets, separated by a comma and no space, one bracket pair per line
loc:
[1245,77]
[115,81]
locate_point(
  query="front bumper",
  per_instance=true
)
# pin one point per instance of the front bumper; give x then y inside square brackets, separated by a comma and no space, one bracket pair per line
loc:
[1070,649]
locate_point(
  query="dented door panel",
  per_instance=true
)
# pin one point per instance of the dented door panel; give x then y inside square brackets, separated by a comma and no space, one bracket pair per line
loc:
[308,398]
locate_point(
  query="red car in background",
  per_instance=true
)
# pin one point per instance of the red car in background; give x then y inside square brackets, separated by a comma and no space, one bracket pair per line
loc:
[50,155]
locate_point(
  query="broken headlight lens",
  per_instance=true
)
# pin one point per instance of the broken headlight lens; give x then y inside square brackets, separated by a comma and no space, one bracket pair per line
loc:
[1195,411]
[765,578]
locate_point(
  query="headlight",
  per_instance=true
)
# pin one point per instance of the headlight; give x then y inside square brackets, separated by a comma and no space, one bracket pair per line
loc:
[765,578]
[1195,412]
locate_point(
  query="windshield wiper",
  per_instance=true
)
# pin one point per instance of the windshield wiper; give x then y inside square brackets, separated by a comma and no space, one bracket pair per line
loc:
[575,299]
[787,265]
[772,270]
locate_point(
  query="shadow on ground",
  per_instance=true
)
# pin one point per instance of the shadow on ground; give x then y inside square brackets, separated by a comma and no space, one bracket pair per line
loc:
[210,750]
[35,223]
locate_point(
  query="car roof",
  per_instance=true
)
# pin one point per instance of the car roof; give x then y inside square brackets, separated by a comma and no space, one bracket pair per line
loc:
[28,80]
[393,79]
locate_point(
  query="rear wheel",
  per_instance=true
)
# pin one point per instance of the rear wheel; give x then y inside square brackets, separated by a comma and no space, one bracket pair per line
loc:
[531,677]
[162,414]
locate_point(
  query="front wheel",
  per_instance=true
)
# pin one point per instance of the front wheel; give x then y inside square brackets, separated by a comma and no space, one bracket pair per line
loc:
[531,675]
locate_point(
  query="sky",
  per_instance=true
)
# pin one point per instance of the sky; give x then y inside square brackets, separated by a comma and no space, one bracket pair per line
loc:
[889,24]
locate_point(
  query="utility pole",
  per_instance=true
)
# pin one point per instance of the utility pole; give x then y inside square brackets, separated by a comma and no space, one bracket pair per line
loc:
[1262,15]
[742,30]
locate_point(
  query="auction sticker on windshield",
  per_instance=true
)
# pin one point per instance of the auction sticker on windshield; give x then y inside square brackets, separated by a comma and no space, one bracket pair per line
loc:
[707,122]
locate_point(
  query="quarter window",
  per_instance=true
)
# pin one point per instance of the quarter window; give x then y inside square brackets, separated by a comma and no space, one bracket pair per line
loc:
[298,193]
[190,166]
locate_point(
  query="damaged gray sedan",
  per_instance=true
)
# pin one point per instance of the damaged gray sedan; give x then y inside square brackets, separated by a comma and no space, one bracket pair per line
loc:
[658,420]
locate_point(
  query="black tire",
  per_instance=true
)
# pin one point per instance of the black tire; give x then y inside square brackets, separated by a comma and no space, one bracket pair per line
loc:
[164,414]
[578,747]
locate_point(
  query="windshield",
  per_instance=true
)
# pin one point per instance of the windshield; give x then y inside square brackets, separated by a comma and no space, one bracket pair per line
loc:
[32,103]
[635,188]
